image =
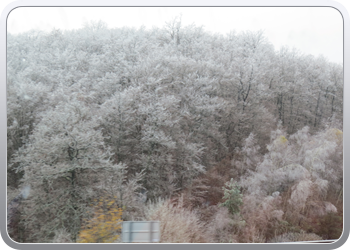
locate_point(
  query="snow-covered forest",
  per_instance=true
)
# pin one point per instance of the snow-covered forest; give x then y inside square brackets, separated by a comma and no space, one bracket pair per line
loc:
[222,138]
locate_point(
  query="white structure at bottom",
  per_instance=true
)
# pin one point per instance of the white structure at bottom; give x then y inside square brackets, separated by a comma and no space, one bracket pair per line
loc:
[140,231]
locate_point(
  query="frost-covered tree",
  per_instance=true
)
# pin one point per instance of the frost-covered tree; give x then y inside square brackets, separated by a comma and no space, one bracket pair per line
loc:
[25,101]
[63,162]
[249,155]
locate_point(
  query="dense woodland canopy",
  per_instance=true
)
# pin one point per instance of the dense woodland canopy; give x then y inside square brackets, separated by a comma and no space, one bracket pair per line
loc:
[220,137]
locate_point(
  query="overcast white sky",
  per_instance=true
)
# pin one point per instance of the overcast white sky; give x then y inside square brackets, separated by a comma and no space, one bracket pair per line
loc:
[312,30]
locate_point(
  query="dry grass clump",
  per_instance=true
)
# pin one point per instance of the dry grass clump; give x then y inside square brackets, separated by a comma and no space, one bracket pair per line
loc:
[62,236]
[177,224]
[293,237]
[224,228]
[252,234]
[264,218]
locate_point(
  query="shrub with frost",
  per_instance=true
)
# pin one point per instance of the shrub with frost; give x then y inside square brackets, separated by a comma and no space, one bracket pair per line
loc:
[304,169]
[177,224]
